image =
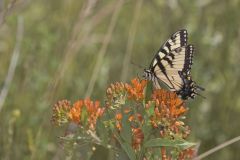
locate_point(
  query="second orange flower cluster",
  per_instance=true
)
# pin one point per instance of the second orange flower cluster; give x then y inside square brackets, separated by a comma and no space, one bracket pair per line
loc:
[168,109]
[83,112]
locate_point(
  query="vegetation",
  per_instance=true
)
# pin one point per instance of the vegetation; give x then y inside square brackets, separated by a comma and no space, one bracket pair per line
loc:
[52,50]
[131,124]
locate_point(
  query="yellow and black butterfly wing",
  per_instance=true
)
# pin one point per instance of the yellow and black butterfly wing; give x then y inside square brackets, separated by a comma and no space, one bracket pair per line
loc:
[173,57]
[177,40]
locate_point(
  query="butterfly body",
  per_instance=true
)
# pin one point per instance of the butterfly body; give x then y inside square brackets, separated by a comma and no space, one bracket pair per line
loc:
[172,66]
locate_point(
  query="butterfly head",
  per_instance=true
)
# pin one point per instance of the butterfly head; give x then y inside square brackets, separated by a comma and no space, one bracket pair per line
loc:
[147,74]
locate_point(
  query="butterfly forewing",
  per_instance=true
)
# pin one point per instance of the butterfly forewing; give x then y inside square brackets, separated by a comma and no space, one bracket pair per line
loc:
[177,40]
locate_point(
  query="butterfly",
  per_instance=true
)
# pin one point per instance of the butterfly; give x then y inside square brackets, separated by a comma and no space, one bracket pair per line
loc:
[172,66]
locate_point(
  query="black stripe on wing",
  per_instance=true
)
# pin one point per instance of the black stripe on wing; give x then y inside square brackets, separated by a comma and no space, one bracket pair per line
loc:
[163,69]
[177,40]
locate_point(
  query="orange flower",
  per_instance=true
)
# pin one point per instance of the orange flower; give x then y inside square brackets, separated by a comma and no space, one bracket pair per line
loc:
[187,154]
[118,116]
[133,117]
[135,91]
[119,125]
[116,95]
[153,122]
[75,112]
[164,153]
[115,89]
[93,112]
[137,138]
[127,110]
[60,111]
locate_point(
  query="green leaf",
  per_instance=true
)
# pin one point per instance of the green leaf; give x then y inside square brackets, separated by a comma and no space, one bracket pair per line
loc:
[159,142]
[186,144]
[84,116]
[146,128]
[126,132]
[102,131]
[148,91]
[127,148]
[150,110]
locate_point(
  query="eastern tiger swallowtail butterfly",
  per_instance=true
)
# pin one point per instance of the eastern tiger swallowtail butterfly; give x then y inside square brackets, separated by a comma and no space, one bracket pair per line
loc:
[172,66]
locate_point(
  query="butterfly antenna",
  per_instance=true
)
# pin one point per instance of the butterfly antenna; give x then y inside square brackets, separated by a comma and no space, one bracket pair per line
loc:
[200,95]
[138,76]
[139,66]
[200,88]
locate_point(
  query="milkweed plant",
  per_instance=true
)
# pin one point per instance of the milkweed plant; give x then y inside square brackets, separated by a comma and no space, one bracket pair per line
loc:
[141,123]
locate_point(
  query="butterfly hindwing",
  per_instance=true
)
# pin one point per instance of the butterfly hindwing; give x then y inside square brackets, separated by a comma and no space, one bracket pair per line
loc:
[188,58]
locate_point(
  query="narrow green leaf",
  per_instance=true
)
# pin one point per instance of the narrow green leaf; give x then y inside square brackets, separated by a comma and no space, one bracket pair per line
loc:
[84,116]
[127,148]
[102,132]
[159,142]
[146,128]
[150,110]
[126,132]
[148,91]
[186,145]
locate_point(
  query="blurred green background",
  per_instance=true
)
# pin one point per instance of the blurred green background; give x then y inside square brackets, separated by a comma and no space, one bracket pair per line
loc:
[72,49]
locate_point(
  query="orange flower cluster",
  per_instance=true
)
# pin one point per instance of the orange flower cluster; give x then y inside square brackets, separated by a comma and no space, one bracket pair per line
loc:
[60,110]
[186,154]
[135,91]
[137,134]
[169,103]
[115,89]
[115,95]
[118,93]
[86,111]
[167,109]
